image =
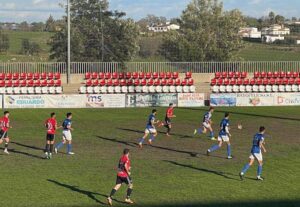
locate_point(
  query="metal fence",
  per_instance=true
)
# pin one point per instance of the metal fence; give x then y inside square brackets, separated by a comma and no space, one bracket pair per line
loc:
[195,67]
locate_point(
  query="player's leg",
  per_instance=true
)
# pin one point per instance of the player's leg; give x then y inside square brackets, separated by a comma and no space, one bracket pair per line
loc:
[201,130]
[247,166]
[129,191]
[141,141]
[215,147]
[211,133]
[59,145]
[47,147]
[153,134]
[228,150]
[119,182]
[6,139]
[259,159]
[69,147]
[169,128]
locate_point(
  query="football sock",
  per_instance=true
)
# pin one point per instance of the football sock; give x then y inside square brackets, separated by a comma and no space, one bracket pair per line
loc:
[47,148]
[246,167]
[214,148]
[51,148]
[59,145]
[228,150]
[6,145]
[69,148]
[129,191]
[169,130]
[141,140]
[151,137]
[212,134]
[112,193]
[200,131]
[259,170]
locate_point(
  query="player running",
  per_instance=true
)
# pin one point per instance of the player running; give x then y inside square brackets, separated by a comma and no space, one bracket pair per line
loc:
[150,129]
[123,176]
[169,116]
[67,136]
[51,125]
[258,144]
[206,124]
[4,127]
[224,136]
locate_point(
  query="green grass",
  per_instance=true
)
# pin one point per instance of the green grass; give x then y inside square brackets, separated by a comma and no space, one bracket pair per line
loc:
[16,37]
[164,175]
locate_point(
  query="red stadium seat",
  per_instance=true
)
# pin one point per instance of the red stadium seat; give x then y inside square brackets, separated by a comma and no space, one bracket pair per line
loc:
[288,74]
[252,82]
[88,82]
[213,82]
[102,82]
[237,74]
[56,76]
[44,83]
[291,81]
[263,74]
[37,83]
[23,83]
[177,82]
[116,82]
[115,75]
[22,76]
[94,75]
[50,76]
[163,82]
[109,82]
[188,75]
[276,74]
[57,83]
[278,81]
[101,75]
[157,82]
[36,76]
[43,76]
[95,82]
[282,74]
[16,76]
[2,83]
[232,82]
[224,75]
[217,75]
[135,75]
[175,75]
[297,81]
[30,83]
[272,81]
[29,76]
[2,76]
[190,82]
[150,82]
[258,81]
[130,82]
[16,83]
[143,82]
[128,75]
[88,76]
[123,82]
[246,81]
[122,75]
[239,81]
[295,74]
[136,82]
[8,83]
[220,82]
[155,75]
[162,75]
[141,75]
[184,82]
[285,81]
[148,75]
[170,82]
[107,75]
[256,74]
[168,75]
[226,82]
[269,75]
[230,74]
[265,81]
[8,76]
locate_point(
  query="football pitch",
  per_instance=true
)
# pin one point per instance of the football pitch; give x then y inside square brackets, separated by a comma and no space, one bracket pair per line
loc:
[165,174]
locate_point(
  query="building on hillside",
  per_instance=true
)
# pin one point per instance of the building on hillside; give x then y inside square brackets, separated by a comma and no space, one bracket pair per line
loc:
[298,42]
[275,29]
[271,39]
[250,33]
[163,27]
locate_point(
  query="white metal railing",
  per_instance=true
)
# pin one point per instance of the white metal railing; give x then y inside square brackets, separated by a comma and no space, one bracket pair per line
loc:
[195,67]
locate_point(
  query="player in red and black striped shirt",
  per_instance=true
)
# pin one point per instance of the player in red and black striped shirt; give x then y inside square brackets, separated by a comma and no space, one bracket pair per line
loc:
[169,116]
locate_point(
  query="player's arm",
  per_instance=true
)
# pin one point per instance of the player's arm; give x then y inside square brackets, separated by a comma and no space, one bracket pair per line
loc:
[69,127]
[262,146]
[127,168]
[227,131]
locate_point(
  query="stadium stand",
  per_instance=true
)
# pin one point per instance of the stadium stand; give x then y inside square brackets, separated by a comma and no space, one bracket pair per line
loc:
[239,82]
[30,83]
[137,82]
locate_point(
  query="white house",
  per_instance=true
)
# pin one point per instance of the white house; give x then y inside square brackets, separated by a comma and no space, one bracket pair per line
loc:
[275,30]
[298,42]
[250,32]
[163,27]
[271,39]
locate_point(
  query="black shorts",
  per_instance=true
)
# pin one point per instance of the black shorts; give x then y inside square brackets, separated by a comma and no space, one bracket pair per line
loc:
[121,180]
[168,120]
[50,137]
[3,134]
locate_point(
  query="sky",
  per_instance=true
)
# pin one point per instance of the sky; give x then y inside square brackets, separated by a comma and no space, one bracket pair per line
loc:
[40,10]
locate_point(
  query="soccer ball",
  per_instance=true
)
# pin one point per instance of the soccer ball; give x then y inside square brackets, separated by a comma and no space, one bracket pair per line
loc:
[240,126]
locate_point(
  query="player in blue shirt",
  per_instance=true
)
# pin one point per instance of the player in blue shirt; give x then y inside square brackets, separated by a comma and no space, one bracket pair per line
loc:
[67,136]
[257,146]
[224,136]
[206,124]
[150,129]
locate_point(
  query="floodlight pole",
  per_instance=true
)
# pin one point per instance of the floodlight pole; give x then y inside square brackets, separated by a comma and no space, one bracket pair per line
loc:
[69,43]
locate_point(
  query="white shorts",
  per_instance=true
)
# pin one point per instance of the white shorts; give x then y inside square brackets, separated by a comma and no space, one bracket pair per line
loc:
[257,156]
[150,130]
[206,125]
[67,135]
[224,138]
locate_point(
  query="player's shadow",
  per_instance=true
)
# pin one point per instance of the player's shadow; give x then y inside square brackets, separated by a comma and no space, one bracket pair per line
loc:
[219,173]
[139,131]
[127,143]
[28,146]
[23,153]
[91,195]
